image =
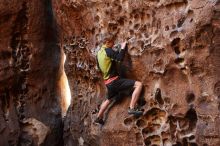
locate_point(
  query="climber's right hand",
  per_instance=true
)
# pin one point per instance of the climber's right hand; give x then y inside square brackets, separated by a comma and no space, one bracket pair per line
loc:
[123,45]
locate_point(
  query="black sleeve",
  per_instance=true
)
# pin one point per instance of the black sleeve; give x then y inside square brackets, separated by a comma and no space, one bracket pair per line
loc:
[117,56]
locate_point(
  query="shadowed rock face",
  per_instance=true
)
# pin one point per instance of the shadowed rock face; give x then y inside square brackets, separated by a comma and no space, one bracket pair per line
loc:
[30,112]
[173,50]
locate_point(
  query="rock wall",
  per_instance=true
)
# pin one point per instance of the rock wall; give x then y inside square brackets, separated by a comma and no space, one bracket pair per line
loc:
[30,67]
[173,50]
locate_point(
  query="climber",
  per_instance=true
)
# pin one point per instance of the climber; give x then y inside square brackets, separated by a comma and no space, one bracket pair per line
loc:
[107,59]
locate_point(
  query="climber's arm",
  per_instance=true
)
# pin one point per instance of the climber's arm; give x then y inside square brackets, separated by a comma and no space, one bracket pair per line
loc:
[117,56]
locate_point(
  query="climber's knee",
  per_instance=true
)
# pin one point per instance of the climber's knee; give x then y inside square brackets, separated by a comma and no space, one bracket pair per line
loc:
[138,84]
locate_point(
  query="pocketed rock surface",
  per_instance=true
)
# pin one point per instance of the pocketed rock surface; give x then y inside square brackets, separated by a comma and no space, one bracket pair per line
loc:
[173,49]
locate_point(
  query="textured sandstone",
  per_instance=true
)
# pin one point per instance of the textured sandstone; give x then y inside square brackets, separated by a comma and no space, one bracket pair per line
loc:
[30,112]
[35,129]
[174,49]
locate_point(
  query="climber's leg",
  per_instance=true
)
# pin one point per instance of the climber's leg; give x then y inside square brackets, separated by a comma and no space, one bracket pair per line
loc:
[126,84]
[103,108]
[136,94]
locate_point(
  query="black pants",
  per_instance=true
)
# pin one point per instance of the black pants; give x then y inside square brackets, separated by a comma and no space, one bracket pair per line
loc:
[116,87]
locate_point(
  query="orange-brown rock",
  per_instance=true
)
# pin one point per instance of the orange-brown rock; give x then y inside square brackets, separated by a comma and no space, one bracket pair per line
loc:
[30,112]
[173,49]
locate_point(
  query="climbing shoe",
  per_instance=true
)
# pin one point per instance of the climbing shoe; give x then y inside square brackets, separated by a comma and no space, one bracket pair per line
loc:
[99,121]
[136,112]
